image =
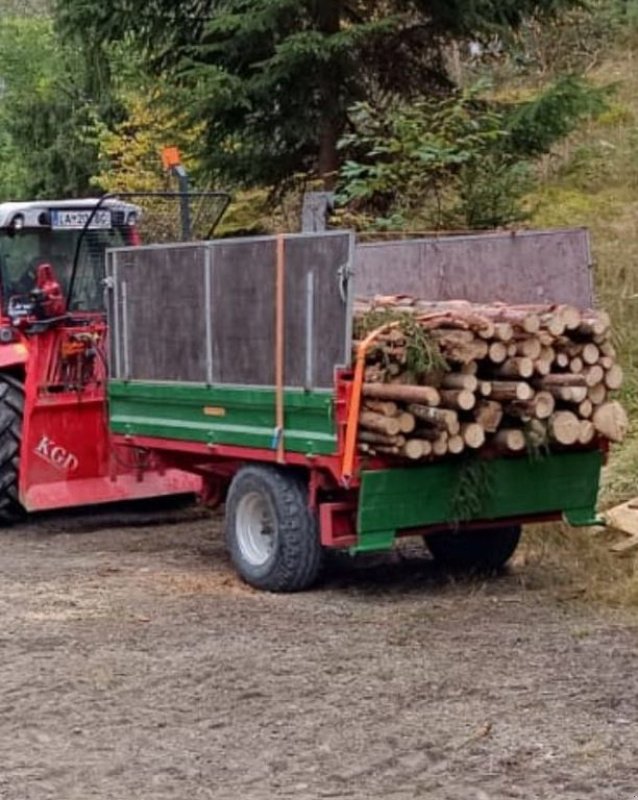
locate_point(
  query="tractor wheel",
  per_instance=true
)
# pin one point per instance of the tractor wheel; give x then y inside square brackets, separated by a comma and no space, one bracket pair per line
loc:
[11,412]
[487,549]
[271,532]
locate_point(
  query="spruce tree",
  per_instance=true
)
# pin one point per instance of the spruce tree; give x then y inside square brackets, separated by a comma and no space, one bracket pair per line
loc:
[273,79]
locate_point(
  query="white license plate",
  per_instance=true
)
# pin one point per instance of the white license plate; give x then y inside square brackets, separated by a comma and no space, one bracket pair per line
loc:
[68,219]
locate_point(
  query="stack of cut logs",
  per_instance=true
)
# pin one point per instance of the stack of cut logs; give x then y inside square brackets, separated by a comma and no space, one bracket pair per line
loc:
[508,377]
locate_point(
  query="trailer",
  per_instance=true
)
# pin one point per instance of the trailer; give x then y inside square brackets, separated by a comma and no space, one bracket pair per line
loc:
[232,360]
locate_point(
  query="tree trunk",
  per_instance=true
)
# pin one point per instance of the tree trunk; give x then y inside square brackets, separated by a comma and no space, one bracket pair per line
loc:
[331,123]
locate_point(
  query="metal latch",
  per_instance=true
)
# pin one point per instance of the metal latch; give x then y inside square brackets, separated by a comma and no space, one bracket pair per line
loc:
[345,272]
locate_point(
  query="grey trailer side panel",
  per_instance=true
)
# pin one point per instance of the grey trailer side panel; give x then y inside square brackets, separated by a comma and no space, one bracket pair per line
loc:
[511,267]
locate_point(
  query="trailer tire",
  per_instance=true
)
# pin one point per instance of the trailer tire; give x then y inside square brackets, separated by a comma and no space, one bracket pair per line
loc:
[486,549]
[11,414]
[271,532]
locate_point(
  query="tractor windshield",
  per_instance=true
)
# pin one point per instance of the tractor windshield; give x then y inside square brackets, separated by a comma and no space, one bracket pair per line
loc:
[21,252]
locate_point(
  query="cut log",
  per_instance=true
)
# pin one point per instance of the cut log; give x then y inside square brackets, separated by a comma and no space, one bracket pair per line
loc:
[564,427]
[407,422]
[473,435]
[455,445]
[578,394]
[416,449]
[458,381]
[548,354]
[498,352]
[511,390]
[562,360]
[563,393]
[387,407]
[585,409]
[369,437]
[541,407]
[452,338]
[594,375]
[529,347]
[590,353]
[553,323]
[520,317]
[607,362]
[587,432]
[485,388]
[425,395]
[476,350]
[542,367]
[614,377]
[439,447]
[597,394]
[610,420]
[546,339]
[503,331]
[489,415]
[607,349]
[442,418]
[571,316]
[516,368]
[462,400]
[427,447]
[388,451]
[510,439]
[576,365]
[568,379]
[469,369]
[483,327]
[388,426]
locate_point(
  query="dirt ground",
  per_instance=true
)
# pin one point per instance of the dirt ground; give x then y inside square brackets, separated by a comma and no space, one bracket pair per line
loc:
[135,665]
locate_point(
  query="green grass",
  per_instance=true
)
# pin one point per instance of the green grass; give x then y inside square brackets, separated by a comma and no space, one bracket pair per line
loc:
[592,180]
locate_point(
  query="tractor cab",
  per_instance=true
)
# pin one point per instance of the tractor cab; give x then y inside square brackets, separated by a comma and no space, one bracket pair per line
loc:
[45,247]
[55,446]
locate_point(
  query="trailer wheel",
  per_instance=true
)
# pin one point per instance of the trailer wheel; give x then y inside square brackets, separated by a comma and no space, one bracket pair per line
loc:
[271,532]
[11,412]
[486,549]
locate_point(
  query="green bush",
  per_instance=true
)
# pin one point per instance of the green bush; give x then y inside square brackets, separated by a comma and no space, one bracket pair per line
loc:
[461,162]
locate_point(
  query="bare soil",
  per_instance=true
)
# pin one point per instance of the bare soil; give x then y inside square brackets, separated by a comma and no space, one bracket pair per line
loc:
[134,664]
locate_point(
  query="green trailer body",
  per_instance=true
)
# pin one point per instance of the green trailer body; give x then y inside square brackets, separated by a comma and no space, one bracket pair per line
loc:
[391,501]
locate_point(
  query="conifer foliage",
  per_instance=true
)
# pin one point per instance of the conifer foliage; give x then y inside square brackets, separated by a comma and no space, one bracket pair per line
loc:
[273,80]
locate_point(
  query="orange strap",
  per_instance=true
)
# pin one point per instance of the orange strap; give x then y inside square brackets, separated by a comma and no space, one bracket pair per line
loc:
[352,425]
[280,347]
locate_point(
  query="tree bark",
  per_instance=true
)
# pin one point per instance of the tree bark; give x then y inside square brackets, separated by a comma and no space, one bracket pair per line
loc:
[331,123]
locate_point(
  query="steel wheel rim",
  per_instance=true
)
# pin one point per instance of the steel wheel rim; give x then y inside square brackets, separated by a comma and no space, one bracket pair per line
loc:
[255,528]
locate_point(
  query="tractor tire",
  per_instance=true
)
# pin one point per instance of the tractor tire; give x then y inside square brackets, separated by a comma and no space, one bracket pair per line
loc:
[11,413]
[484,550]
[271,532]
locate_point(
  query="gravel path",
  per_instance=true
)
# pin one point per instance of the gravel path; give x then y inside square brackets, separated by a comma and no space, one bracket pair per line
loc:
[135,665]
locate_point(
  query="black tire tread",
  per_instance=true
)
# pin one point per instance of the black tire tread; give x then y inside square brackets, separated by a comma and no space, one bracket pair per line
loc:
[300,555]
[11,414]
[487,549]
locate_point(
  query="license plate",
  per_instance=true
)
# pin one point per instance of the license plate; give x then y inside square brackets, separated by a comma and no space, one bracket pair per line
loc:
[69,219]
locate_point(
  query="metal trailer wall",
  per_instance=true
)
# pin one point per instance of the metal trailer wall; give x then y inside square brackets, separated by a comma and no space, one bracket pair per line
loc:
[205,313]
[512,267]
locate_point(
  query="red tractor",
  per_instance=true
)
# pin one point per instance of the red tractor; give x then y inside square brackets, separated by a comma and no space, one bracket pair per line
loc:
[55,446]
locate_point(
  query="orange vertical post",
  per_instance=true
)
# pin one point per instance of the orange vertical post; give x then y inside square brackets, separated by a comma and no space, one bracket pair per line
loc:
[280,346]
